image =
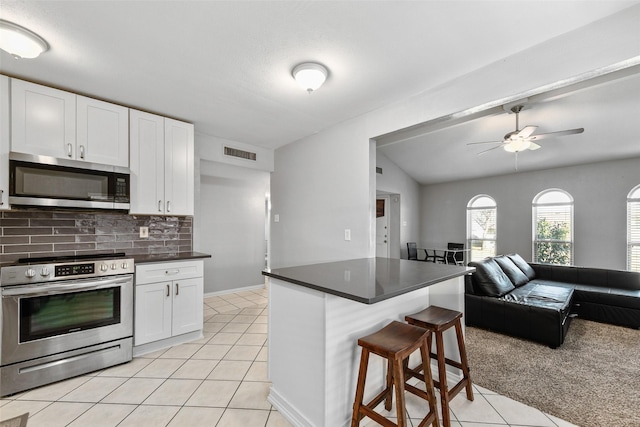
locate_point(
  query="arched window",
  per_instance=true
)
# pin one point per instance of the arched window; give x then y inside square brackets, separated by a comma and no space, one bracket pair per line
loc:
[481,227]
[553,227]
[633,230]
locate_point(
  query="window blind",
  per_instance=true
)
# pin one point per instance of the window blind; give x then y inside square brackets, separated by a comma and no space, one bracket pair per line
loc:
[633,235]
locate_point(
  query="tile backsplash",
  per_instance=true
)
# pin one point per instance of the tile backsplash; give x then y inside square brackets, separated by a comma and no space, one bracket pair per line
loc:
[37,232]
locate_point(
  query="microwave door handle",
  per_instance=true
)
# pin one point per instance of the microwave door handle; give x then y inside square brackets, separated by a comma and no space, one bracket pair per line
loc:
[43,290]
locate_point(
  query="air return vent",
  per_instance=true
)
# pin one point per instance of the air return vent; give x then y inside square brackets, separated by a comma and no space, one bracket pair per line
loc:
[234,152]
[379,170]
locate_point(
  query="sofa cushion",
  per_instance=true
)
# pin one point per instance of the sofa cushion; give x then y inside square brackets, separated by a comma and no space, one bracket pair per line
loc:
[517,277]
[523,265]
[629,280]
[489,278]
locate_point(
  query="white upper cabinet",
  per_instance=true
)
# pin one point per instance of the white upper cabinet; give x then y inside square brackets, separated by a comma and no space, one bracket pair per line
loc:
[146,147]
[52,122]
[162,169]
[102,132]
[179,168]
[4,143]
[43,120]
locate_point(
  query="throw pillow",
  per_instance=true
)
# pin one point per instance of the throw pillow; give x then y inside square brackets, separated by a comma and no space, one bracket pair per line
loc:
[517,277]
[489,278]
[523,265]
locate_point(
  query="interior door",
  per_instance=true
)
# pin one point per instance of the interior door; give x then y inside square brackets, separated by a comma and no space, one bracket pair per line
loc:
[382,227]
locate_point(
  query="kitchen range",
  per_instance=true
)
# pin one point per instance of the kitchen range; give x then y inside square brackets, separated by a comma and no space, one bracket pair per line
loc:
[64,316]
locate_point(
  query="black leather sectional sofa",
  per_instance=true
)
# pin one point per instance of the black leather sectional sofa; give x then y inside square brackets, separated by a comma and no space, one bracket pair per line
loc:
[537,301]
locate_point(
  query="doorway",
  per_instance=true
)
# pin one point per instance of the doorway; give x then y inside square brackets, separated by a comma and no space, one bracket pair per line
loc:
[387,225]
[383,227]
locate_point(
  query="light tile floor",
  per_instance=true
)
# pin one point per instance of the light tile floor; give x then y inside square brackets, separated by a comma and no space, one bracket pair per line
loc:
[218,381]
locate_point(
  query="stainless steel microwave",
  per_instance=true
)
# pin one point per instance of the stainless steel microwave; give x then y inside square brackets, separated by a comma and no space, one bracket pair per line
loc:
[52,182]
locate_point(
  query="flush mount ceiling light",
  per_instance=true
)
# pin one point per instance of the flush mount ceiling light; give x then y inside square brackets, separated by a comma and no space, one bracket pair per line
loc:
[310,76]
[20,42]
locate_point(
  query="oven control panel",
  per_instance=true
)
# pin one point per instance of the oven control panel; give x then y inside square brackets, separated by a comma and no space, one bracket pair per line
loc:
[41,273]
[75,269]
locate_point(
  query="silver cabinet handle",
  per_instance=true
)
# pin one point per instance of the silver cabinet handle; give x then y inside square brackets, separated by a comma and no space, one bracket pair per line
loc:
[159,205]
[82,151]
[1,197]
[168,291]
[171,272]
[177,288]
[168,206]
[69,150]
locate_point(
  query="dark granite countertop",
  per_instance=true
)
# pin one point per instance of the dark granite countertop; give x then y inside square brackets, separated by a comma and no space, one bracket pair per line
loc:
[180,256]
[368,280]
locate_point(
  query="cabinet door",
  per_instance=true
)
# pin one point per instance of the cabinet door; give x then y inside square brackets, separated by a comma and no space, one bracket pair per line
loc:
[43,120]
[187,305]
[152,312]
[4,142]
[102,133]
[179,168]
[146,163]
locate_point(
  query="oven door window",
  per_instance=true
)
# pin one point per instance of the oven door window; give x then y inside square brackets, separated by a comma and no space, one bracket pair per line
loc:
[51,315]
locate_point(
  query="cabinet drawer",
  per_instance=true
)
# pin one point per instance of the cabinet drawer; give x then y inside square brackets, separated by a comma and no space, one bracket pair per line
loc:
[175,270]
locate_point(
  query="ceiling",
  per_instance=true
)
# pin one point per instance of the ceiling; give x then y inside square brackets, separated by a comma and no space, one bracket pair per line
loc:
[606,106]
[226,65]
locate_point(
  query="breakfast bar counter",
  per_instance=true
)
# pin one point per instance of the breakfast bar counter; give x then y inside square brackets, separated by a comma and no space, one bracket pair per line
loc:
[316,315]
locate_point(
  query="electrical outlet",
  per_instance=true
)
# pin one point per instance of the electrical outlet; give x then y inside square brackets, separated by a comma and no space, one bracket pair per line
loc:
[144,232]
[276,218]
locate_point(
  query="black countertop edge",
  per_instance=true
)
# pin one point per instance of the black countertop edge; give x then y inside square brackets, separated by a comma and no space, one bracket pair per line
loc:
[452,273]
[178,256]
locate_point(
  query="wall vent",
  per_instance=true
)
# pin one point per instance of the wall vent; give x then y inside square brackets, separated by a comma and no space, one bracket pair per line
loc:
[234,152]
[379,170]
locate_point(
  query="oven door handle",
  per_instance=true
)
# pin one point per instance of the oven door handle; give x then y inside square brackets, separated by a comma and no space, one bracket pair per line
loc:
[42,290]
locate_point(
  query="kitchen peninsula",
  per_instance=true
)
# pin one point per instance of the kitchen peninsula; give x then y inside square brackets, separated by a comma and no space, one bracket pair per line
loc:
[316,315]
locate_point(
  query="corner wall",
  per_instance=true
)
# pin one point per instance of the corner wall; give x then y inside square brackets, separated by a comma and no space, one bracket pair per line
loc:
[599,191]
[326,183]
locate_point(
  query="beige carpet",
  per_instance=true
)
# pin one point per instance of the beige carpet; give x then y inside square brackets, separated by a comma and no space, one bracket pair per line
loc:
[593,379]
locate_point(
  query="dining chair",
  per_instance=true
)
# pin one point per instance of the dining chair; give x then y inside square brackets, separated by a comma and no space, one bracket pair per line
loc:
[455,257]
[412,251]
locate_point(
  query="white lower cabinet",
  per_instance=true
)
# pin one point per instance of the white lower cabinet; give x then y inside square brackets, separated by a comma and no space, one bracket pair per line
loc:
[168,304]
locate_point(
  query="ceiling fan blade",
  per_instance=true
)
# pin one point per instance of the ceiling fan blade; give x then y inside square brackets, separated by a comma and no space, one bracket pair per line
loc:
[534,146]
[485,142]
[526,131]
[559,133]
[490,149]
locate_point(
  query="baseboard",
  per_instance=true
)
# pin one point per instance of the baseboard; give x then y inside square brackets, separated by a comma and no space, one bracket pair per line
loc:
[142,349]
[233,291]
[287,410]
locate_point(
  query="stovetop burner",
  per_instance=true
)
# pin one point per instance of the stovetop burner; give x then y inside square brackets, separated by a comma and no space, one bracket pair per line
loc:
[36,260]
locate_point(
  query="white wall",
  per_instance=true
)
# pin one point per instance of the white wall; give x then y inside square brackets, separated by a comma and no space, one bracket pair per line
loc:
[599,191]
[395,181]
[231,227]
[325,183]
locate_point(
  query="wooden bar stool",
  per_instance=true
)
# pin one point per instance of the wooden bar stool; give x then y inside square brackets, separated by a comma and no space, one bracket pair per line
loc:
[437,320]
[395,342]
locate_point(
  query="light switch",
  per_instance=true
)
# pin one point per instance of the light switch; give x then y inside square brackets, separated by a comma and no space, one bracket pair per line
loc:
[347,234]
[276,218]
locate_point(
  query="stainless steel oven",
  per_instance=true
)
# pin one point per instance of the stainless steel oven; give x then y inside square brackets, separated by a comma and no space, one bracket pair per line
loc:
[63,317]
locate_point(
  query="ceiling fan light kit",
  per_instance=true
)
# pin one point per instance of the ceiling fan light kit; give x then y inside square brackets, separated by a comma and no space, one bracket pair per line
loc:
[522,139]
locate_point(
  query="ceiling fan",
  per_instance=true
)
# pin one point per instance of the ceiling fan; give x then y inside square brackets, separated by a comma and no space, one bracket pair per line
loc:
[523,139]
